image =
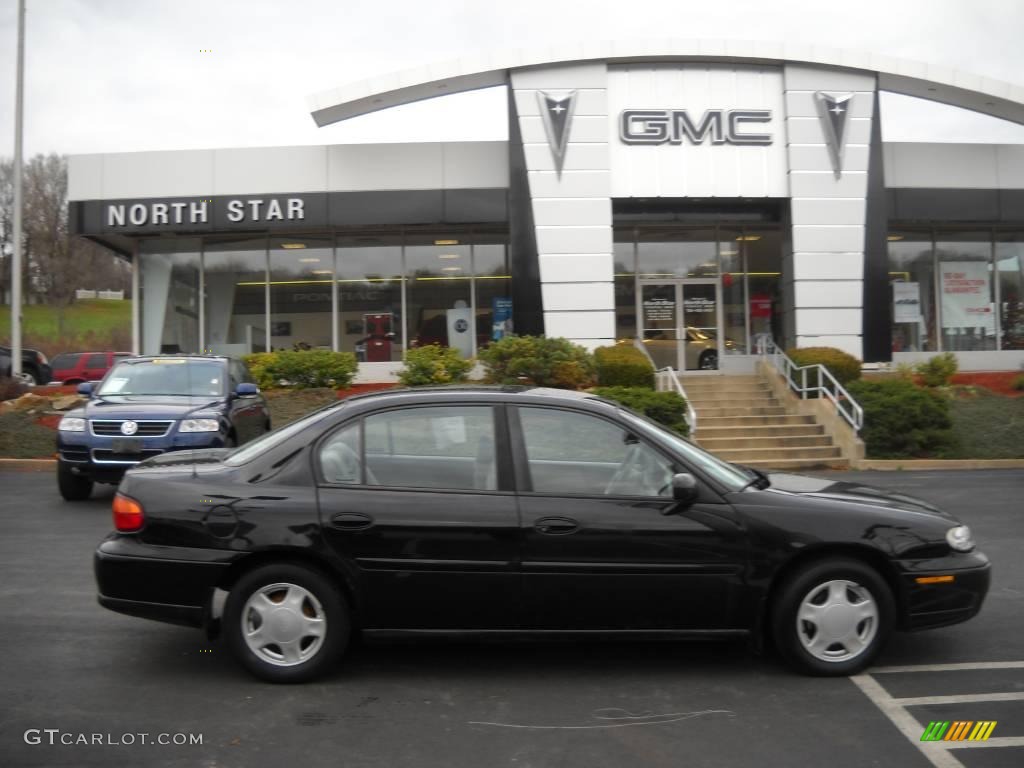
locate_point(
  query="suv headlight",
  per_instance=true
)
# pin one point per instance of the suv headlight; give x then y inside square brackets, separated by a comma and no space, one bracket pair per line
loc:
[960,538]
[199,425]
[71,424]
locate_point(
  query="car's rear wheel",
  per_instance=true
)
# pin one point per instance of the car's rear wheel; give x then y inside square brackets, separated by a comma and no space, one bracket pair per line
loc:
[286,623]
[832,617]
[72,487]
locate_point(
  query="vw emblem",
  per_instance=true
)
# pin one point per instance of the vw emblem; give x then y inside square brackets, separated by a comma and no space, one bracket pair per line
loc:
[461,325]
[129,428]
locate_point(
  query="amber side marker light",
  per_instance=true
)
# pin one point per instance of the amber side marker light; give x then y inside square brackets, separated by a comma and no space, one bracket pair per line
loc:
[128,514]
[935,579]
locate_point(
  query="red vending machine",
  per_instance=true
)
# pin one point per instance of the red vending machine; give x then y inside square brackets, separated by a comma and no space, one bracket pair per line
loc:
[378,336]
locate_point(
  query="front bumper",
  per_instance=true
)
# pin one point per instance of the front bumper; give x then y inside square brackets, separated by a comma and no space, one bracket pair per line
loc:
[91,456]
[941,604]
[170,584]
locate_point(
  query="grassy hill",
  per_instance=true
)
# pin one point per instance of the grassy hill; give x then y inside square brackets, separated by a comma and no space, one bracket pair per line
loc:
[89,324]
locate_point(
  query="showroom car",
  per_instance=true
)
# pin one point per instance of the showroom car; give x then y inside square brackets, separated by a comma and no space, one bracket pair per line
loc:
[520,511]
[149,406]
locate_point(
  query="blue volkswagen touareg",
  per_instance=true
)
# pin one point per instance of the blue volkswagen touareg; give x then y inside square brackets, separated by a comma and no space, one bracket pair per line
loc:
[146,406]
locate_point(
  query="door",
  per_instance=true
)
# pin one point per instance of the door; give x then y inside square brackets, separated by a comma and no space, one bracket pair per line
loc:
[679,323]
[96,366]
[604,546]
[419,500]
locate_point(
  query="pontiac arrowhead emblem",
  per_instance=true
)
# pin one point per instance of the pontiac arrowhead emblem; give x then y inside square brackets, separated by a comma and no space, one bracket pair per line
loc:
[556,112]
[834,111]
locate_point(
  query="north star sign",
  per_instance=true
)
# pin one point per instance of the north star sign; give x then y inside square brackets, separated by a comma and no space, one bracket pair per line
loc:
[672,126]
[198,212]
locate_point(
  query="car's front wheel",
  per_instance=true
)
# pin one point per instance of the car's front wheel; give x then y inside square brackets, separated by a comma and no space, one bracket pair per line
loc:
[72,487]
[286,623]
[832,617]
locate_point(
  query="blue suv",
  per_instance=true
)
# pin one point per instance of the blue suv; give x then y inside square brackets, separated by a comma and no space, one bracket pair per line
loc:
[146,406]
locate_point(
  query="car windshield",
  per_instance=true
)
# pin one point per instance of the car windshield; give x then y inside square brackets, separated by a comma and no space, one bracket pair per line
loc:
[729,475]
[271,440]
[170,376]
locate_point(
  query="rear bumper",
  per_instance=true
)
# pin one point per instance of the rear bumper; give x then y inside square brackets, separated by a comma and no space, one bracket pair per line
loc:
[942,604]
[170,584]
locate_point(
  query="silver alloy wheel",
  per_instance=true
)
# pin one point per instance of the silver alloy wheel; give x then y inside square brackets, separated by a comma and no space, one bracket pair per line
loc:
[837,620]
[284,624]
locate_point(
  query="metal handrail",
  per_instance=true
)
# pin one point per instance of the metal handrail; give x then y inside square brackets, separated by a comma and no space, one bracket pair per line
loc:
[668,374]
[847,407]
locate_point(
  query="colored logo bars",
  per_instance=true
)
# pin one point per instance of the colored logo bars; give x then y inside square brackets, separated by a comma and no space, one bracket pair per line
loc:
[958,730]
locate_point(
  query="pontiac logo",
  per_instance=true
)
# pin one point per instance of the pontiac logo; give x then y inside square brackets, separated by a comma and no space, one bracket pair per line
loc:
[556,114]
[834,112]
[129,428]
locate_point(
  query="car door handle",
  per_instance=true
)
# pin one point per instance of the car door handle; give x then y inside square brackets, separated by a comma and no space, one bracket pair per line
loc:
[556,526]
[351,521]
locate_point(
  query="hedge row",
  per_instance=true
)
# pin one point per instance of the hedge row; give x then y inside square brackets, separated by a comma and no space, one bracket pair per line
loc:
[307,368]
[623,366]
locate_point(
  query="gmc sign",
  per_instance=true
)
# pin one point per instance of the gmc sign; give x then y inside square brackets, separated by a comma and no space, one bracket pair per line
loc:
[722,126]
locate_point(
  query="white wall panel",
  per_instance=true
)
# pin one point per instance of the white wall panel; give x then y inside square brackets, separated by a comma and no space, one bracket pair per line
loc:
[803,103]
[828,293]
[1010,166]
[271,169]
[815,157]
[829,266]
[85,177]
[352,167]
[572,184]
[571,211]
[577,296]
[475,164]
[583,129]
[807,130]
[589,101]
[817,237]
[578,157]
[824,184]
[158,174]
[826,322]
[570,267]
[962,166]
[828,210]
[562,239]
[581,325]
[851,344]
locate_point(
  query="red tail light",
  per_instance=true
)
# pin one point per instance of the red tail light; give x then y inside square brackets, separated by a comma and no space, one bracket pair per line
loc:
[128,514]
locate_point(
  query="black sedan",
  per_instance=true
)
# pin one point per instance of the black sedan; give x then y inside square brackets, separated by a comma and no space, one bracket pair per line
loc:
[520,511]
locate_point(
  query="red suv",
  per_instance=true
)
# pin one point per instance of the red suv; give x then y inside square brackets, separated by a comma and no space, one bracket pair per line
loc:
[77,367]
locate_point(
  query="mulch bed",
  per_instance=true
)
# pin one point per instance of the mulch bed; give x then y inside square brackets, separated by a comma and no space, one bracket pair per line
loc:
[997,381]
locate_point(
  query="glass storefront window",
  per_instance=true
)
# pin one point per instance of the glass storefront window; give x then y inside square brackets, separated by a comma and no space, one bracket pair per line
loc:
[966,291]
[170,277]
[675,253]
[369,275]
[1010,271]
[734,284]
[439,270]
[762,249]
[625,286]
[912,278]
[236,296]
[493,287]
[301,281]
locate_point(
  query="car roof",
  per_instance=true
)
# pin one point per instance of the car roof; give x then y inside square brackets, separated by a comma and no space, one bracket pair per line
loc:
[515,392]
[148,358]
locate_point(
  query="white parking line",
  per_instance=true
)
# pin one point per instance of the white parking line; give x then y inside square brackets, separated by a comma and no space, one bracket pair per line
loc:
[936,752]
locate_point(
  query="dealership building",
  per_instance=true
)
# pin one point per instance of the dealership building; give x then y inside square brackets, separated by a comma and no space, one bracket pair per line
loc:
[698,196]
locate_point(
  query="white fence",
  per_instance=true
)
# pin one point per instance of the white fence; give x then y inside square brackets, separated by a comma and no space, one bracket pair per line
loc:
[82,293]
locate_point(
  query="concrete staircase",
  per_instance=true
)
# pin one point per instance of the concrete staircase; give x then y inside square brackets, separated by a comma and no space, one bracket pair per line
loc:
[739,420]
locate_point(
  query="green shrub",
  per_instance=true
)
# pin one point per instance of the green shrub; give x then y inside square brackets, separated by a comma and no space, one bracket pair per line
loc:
[623,366]
[937,371]
[844,367]
[302,369]
[434,364]
[538,360]
[667,408]
[902,420]
[1018,382]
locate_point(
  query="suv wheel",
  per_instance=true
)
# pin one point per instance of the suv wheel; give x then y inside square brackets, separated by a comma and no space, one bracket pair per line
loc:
[832,617]
[286,623]
[72,487]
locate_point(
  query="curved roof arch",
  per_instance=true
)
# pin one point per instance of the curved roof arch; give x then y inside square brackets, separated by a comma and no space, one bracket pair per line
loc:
[928,81]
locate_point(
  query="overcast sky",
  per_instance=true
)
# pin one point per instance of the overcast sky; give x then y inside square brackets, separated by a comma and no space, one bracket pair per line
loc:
[126,75]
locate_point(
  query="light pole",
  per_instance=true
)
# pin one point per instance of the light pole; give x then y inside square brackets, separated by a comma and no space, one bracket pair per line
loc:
[19,99]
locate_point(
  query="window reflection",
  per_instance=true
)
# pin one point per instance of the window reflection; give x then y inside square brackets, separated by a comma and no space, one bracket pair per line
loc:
[301,277]
[170,277]
[236,290]
[369,274]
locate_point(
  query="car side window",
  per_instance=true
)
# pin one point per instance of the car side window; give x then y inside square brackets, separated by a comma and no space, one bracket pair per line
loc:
[96,361]
[340,457]
[234,375]
[575,453]
[449,447]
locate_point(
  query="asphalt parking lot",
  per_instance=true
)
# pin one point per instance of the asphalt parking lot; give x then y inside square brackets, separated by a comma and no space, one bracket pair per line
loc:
[77,669]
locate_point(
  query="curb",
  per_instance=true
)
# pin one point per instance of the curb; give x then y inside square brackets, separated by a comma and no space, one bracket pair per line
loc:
[912,464]
[27,465]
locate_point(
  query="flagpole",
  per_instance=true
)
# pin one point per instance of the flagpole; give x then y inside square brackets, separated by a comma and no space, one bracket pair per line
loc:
[16,256]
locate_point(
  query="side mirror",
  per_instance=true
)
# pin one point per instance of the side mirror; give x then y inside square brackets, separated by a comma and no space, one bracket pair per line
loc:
[247,389]
[684,488]
[85,388]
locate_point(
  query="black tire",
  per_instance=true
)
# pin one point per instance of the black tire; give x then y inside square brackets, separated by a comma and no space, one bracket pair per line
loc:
[268,659]
[866,635]
[72,487]
[708,361]
[34,374]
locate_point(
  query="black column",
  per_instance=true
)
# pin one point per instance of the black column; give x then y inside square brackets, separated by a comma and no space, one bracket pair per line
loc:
[877,309]
[527,306]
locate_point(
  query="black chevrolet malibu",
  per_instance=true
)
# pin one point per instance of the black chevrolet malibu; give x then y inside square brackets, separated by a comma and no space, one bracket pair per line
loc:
[520,511]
